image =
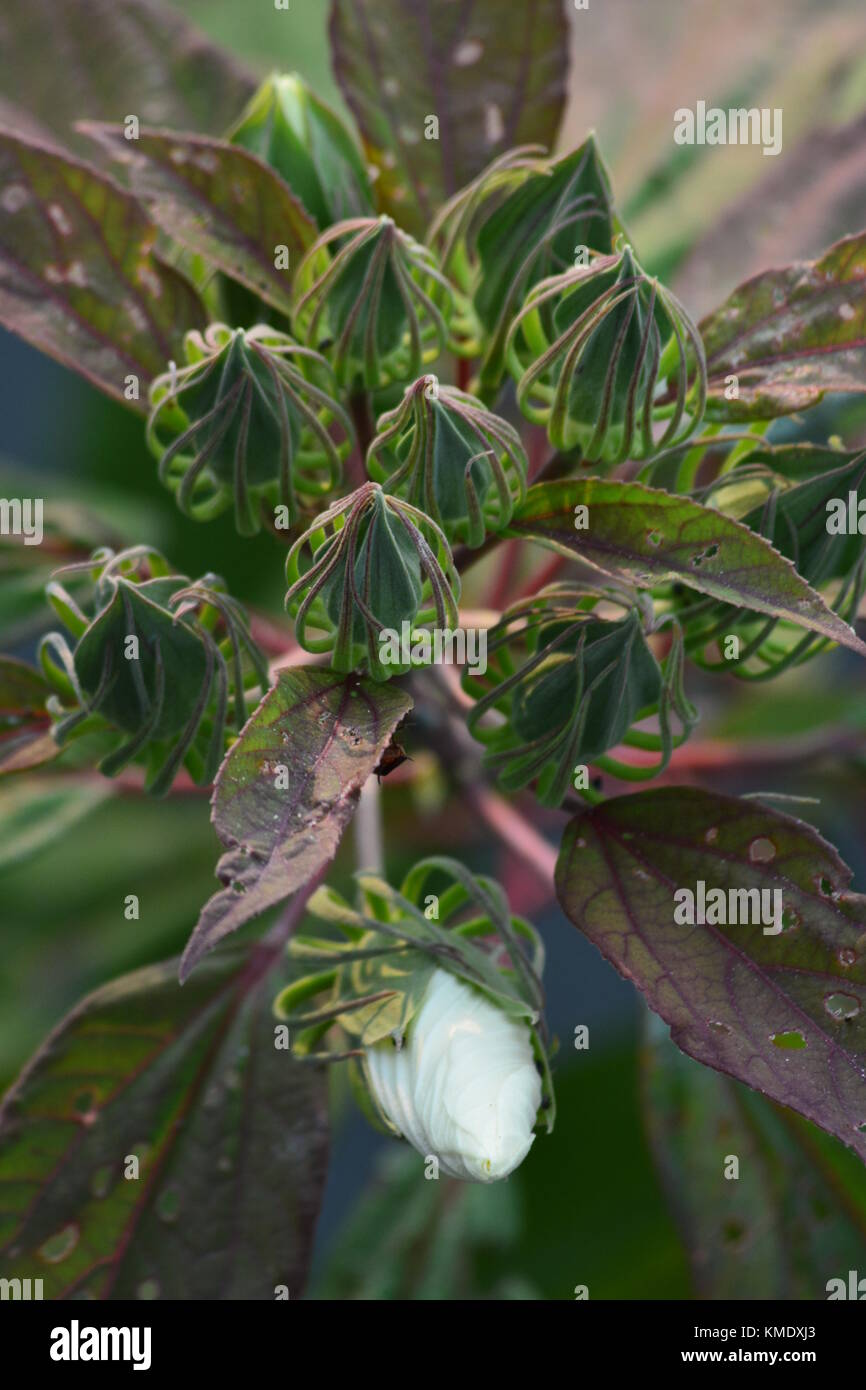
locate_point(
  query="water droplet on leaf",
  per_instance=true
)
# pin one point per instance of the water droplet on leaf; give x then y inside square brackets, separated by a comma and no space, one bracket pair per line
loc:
[61,1244]
[842,1006]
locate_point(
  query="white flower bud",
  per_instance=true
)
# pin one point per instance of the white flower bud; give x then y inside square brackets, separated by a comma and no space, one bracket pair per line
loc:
[464,1086]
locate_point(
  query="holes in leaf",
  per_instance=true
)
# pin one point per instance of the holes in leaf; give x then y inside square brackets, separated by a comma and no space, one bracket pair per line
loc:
[790,919]
[792,1041]
[702,555]
[654,537]
[86,1107]
[734,1232]
[847,957]
[762,850]
[718,1027]
[712,835]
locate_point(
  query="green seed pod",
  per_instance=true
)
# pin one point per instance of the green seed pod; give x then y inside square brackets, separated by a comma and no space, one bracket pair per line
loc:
[369,564]
[449,455]
[155,661]
[249,420]
[601,355]
[567,685]
[309,146]
[375,297]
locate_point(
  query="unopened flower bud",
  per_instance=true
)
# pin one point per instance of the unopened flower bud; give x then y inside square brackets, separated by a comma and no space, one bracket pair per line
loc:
[464,1086]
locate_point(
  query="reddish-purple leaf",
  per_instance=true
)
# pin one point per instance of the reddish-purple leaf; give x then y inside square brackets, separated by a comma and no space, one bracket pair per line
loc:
[78,273]
[783,1012]
[219,201]
[322,734]
[787,1220]
[230,1135]
[491,78]
[62,60]
[790,335]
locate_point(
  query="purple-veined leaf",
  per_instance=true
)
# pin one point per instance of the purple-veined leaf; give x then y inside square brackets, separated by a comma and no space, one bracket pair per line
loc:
[229,1133]
[322,734]
[78,274]
[783,1012]
[787,1219]
[219,201]
[25,725]
[653,536]
[61,60]
[491,79]
[790,335]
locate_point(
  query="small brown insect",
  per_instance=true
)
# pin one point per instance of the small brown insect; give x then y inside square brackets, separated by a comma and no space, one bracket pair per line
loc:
[393,756]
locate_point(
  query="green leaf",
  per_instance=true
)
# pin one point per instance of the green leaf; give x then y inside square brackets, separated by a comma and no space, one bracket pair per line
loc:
[799,521]
[782,1012]
[327,732]
[490,83]
[218,201]
[78,275]
[790,335]
[793,1216]
[229,1131]
[653,536]
[132,56]
[25,725]
[34,811]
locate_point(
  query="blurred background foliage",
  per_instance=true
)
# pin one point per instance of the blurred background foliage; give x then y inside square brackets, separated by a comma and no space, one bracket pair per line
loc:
[587,1207]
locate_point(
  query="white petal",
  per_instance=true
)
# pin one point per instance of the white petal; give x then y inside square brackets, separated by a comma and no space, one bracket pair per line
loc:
[464,1087]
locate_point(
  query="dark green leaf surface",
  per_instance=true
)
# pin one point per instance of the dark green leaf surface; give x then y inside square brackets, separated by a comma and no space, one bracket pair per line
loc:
[218,201]
[493,80]
[790,335]
[230,1133]
[328,732]
[653,536]
[793,1216]
[784,1013]
[25,726]
[78,275]
[799,525]
[62,60]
